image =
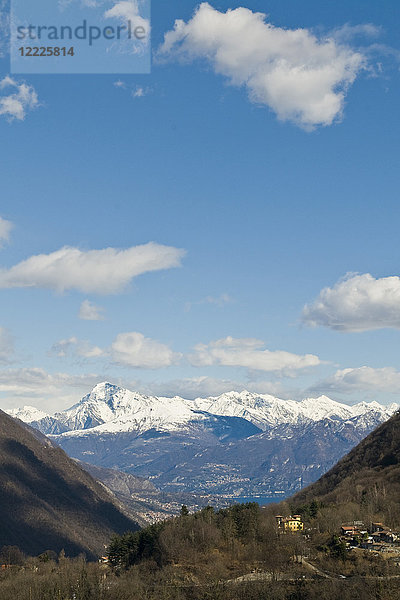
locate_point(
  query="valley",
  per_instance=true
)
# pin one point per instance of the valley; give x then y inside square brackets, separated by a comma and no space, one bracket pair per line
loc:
[237,445]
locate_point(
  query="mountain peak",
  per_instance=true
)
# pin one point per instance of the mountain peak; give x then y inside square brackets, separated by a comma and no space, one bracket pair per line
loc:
[28,414]
[105,387]
[115,409]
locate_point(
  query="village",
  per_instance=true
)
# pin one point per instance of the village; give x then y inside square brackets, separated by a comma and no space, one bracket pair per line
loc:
[375,538]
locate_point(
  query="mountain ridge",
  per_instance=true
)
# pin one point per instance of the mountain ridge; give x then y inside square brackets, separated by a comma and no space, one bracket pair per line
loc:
[48,502]
[115,409]
[374,462]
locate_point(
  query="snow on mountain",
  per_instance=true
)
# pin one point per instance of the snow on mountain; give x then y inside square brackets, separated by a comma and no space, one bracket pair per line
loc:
[112,409]
[38,419]
[365,407]
[262,410]
[236,444]
[109,408]
[266,411]
[27,414]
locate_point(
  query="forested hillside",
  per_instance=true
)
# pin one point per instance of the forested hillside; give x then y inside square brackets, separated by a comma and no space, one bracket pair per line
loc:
[368,477]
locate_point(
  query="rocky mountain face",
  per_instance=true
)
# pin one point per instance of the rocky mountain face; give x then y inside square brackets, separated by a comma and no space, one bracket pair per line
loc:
[236,445]
[47,501]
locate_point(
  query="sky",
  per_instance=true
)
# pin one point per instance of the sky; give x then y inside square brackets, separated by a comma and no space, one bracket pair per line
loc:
[228,221]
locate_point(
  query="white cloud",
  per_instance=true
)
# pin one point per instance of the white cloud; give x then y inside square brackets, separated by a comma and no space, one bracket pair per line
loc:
[105,271]
[357,303]
[385,379]
[248,353]
[301,77]
[133,349]
[130,349]
[46,391]
[17,100]
[6,346]
[347,32]
[140,91]
[90,312]
[75,347]
[5,229]
[128,11]
[57,391]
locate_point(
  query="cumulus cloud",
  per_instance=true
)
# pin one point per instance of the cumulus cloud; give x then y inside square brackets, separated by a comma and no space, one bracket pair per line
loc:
[6,345]
[357,303]
[5,229]
[129,349]
[385,379]
[75,347]
[90,312]
[128,11]
[105,271]
[301,77]
[248,353]
[133,349]
[16,99]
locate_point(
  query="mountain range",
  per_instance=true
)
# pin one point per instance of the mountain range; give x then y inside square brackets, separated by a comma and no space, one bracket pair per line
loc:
[237,445]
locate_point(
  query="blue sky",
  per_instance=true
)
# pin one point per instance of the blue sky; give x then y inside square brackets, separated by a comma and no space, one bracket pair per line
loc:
[256,196]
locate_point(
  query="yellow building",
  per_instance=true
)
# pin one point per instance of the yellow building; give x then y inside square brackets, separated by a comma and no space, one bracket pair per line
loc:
[292,523]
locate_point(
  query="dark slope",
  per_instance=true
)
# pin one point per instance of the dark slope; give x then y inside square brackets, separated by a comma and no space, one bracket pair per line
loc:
[47,501]
[373,463]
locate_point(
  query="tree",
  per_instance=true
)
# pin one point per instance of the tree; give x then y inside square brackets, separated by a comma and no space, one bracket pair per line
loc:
[12,555]
[337,548]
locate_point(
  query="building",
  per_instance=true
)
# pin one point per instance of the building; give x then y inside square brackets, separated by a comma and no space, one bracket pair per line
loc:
[387,536]
[291,523]
[375,527]
[349,530]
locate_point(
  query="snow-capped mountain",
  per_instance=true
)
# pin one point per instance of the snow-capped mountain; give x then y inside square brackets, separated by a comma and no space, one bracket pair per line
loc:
[109,408]
[112,409]
[27,414]
[38,419]
[237,444]
[266,411]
